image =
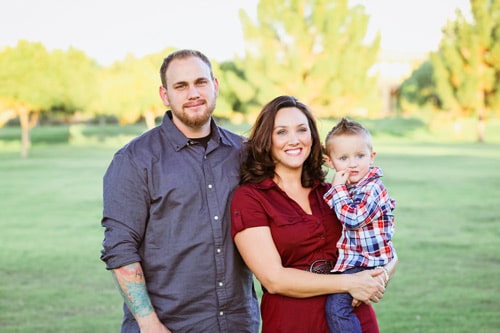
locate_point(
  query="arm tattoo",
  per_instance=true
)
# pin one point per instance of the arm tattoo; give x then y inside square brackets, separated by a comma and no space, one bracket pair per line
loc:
[132,285]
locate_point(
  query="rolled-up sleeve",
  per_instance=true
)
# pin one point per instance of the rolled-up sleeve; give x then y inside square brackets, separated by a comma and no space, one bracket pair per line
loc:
[125,212]
[247,211]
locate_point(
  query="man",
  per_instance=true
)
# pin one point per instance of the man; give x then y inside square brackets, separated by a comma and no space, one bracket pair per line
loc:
[166,214]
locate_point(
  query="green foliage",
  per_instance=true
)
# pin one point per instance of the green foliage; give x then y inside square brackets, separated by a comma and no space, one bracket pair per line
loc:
[234,91]
[467,64]
[129,88]
[419,90]
[313,49]
[29,74]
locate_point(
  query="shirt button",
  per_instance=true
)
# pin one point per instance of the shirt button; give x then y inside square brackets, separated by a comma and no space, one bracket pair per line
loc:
[221,313]
[219,250]
[221,284]
[216,217]
[209,185]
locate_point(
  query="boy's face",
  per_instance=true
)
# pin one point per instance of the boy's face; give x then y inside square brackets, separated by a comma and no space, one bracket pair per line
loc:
[350,152]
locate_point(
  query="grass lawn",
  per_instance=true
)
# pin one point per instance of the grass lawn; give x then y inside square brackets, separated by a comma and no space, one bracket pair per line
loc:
[447,234]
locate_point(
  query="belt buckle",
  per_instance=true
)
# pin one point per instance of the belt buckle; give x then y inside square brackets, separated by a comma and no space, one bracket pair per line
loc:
[321,266]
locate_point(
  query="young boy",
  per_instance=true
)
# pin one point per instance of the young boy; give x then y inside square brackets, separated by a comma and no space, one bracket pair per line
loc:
[361,203]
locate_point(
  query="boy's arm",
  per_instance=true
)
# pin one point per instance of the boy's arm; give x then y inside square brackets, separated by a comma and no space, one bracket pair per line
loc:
[361,209]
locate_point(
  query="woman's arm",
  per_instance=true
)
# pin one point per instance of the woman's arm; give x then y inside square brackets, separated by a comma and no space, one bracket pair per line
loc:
[257,248]
[390,269]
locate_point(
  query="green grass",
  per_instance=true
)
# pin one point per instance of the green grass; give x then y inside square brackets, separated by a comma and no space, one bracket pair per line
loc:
[447,234]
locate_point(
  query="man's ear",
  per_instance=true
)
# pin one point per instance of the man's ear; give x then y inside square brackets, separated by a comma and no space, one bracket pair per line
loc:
[163,95]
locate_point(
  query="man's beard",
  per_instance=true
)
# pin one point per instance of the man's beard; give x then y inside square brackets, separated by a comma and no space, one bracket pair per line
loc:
[197,120]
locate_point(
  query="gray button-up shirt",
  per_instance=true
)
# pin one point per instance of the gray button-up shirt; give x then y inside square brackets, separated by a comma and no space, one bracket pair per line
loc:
[166,205]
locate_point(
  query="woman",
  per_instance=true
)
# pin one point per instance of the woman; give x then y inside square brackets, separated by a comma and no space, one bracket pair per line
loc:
[285,231]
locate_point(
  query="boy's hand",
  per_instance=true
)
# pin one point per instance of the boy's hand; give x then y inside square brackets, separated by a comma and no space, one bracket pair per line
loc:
[341,177]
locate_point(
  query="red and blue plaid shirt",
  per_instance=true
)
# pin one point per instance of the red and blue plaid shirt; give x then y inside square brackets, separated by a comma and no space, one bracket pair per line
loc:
[365,211]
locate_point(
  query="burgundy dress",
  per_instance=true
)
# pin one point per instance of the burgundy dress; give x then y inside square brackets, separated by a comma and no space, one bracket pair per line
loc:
[300,239]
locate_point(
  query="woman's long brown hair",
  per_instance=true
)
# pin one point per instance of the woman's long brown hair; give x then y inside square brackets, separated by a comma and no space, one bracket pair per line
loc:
[259,164]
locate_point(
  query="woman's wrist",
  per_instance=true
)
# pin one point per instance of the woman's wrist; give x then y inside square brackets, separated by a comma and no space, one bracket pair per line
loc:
[386,275]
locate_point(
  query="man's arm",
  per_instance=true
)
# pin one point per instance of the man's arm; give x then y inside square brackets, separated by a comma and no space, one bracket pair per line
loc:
[132,286]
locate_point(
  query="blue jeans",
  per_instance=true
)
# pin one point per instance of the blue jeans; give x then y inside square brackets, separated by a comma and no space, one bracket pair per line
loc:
[339,310]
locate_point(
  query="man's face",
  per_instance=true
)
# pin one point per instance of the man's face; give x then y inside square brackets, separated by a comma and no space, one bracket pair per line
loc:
[191,92]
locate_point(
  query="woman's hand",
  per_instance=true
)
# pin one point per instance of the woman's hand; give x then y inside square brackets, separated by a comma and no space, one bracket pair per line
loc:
[366,286]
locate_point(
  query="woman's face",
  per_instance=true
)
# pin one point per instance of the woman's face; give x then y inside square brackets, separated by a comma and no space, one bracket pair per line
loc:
[291,140]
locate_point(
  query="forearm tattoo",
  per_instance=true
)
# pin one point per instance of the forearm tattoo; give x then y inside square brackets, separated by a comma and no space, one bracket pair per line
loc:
[132,285]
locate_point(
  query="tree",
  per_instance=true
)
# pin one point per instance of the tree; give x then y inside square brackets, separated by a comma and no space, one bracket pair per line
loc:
[419,90]
[33,80]
[313,49]
[128,90]
[235,92]
[467,63]
[23,87]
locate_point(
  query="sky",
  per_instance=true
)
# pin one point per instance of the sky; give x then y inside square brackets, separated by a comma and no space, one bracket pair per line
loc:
[108,30]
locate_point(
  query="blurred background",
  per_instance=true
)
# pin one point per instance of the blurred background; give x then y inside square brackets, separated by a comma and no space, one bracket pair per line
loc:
[92,61]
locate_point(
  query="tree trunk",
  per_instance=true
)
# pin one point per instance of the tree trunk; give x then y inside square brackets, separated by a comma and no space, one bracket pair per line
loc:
[149,118]
[27,123]
[481,124]
[25,131]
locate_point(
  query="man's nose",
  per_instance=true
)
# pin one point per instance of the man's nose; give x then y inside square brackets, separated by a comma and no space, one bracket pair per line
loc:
[193,92]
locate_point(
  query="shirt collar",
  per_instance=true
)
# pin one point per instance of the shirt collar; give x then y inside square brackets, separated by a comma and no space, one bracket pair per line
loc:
[179,140]
[373,173]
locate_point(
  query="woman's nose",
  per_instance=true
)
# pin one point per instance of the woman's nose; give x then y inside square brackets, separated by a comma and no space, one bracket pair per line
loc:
[293,138]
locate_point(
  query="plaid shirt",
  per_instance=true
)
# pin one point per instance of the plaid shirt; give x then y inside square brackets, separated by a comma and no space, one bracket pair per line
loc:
[365,211]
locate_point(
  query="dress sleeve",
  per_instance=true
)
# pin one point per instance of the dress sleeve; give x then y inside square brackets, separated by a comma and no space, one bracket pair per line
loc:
[247,210]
